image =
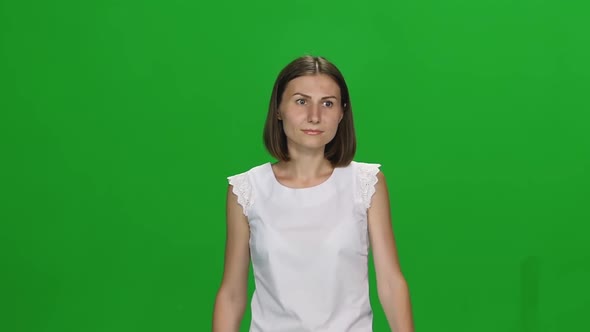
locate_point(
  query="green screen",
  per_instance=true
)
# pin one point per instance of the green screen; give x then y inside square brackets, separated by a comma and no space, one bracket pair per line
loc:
[120,121]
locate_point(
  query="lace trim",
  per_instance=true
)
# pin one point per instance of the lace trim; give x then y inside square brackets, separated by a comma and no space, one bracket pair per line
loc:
[367,177]
[243,190]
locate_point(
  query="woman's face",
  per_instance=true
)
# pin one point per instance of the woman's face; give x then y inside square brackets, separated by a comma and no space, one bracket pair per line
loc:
[310,110]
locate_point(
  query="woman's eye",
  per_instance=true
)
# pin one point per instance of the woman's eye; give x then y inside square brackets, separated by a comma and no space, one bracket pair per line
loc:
[328,103]
[300,101]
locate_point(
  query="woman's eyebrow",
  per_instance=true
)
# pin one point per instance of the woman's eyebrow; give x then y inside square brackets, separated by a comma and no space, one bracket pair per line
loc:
[309,97]
[301,94]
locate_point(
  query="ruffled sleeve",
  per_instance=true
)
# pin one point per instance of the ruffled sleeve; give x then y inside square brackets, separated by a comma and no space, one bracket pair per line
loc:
[367,179]
[242,188]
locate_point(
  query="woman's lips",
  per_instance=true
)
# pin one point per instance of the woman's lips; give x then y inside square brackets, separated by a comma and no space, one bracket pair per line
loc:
[312,131]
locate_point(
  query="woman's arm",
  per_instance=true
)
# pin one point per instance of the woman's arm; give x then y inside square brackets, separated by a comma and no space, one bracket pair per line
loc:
[232,296]
[391,284]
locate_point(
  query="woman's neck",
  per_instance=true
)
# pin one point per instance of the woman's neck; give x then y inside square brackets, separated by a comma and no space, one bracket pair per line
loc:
[303,170]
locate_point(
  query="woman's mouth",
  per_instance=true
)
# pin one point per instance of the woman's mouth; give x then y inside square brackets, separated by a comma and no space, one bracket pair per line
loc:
[312,131]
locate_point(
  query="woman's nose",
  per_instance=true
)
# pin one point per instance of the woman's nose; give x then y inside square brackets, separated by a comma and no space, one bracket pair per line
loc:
[313,114]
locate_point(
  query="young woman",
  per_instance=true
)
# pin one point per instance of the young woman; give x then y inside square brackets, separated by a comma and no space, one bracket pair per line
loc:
[307,221]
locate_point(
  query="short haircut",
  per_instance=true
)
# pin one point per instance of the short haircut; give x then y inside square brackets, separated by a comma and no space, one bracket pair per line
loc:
[340,151]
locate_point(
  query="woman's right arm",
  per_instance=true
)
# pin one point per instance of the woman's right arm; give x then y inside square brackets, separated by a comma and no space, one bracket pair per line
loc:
[232,296]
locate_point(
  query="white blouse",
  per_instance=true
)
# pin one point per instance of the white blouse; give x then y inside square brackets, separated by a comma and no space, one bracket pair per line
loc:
[309,250]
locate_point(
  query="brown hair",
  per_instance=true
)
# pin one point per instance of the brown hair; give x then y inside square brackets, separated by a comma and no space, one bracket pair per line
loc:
[340,151]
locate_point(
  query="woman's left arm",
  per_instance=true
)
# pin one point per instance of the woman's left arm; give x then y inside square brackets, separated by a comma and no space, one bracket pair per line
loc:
[391,284]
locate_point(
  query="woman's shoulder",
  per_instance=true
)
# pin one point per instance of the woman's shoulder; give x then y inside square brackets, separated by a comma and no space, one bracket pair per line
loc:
[364,170]
[361,165]
[252,171]
[365,173]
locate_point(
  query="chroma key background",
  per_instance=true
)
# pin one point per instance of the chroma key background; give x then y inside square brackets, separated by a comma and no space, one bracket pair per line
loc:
[120,121]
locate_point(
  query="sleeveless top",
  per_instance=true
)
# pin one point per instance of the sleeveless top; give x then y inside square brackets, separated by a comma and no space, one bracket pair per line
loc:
[309,250]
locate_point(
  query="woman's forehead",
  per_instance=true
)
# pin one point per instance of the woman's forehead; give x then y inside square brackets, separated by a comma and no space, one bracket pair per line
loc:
[313,85]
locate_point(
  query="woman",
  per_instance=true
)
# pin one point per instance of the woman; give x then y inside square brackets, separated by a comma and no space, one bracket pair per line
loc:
[307,220]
